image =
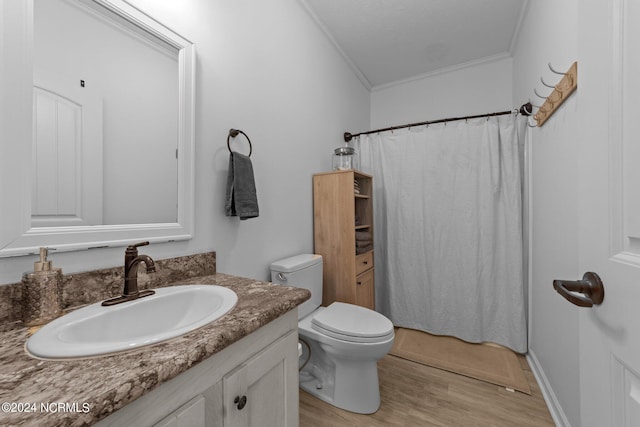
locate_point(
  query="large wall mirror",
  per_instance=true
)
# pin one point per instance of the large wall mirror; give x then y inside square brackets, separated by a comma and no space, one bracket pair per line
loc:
[111,149]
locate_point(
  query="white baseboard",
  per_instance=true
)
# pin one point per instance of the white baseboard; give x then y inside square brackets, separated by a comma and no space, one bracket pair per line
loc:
[559,418]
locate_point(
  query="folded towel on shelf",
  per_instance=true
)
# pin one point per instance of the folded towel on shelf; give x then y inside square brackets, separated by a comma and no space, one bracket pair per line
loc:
[364,235]
[241,197]
[363,243]
[364,249]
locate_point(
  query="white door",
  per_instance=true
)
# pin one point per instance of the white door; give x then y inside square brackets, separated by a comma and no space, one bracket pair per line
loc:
[609,218]
[67,154]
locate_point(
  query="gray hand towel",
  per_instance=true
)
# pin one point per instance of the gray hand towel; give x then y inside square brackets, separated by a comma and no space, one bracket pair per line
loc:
[241,200]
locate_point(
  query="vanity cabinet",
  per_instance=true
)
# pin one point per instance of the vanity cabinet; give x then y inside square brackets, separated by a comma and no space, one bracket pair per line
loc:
[253,382]
[254,393]
[191,414]
[343,235]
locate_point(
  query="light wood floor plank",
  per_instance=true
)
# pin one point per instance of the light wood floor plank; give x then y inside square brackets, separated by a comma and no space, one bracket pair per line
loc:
[418,395]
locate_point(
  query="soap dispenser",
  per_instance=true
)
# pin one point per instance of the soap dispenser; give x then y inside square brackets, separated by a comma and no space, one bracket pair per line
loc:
[41,292]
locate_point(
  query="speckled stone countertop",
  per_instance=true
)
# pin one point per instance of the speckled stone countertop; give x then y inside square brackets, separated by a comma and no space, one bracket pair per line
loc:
[93,388]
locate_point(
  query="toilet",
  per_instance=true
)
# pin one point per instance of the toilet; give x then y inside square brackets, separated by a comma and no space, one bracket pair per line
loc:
[341,343]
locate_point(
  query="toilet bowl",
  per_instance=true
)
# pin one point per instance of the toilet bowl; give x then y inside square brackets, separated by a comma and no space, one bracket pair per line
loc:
[343,342]
[343,368]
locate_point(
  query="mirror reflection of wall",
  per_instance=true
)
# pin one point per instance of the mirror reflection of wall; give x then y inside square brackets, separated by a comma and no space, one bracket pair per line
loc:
[106,128]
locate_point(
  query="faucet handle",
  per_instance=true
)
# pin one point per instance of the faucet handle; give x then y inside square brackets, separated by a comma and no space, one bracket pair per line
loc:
[138,245]
[132,250]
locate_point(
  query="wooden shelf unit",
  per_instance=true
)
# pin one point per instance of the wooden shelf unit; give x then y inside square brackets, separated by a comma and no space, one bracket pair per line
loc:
[338,214]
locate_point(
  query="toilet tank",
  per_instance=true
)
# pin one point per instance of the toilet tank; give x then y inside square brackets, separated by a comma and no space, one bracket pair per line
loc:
[301,271]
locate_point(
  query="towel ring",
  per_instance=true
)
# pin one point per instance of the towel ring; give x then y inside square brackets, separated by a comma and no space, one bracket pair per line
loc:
[232,134]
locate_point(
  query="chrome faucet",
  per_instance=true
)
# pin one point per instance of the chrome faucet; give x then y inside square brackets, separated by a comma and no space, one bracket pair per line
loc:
[131,262]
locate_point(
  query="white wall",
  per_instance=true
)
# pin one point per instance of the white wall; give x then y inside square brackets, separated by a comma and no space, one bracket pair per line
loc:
[549,34]
[478,89]
[265,68]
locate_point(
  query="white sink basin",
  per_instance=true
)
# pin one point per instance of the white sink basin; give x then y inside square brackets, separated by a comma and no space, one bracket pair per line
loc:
[96,330]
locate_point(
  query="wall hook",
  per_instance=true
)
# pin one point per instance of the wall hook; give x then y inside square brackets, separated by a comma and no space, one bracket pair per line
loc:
[535,90]
[557,72]
[548,98]
[567,85]
[546,84]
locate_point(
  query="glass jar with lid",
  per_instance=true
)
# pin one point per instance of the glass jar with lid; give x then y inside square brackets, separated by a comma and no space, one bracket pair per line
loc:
[343,158]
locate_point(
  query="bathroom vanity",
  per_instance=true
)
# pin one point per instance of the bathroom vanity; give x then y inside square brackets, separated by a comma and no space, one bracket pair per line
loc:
[239,370]
[252,382]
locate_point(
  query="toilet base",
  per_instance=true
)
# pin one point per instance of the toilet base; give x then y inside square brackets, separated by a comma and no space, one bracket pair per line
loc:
[341,373]
[354,387]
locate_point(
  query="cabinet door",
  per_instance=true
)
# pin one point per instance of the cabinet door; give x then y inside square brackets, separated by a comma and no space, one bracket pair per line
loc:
[264,390]
[365,295]
[189,415]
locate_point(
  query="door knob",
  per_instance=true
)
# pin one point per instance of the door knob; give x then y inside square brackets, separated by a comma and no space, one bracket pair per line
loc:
[240,402]
[590,287]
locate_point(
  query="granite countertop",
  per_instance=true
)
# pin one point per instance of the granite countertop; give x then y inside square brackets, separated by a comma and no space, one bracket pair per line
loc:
[93,388]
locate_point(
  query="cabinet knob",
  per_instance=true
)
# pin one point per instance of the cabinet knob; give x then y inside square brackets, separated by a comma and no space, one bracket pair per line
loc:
[241,402]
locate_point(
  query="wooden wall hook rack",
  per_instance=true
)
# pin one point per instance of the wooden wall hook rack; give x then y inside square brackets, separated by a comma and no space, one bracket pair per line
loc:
[567,85]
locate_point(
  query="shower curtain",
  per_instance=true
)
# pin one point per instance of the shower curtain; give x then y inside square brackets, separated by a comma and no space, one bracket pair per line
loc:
[448,227]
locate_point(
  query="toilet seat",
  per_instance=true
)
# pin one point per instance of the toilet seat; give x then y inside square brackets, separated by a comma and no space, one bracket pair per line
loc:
[352,323]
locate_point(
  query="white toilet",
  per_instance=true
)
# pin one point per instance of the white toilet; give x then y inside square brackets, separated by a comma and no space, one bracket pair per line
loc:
[346,341]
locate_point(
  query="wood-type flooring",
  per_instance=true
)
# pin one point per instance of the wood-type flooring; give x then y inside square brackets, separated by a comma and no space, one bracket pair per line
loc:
[416,395]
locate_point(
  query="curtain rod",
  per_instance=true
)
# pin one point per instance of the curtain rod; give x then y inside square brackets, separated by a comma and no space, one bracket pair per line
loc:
[525,110]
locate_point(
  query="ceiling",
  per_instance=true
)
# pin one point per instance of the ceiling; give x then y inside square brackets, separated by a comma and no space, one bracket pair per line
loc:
[387,41]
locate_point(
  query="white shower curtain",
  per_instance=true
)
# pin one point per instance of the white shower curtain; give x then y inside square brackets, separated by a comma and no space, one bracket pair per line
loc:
[448,227]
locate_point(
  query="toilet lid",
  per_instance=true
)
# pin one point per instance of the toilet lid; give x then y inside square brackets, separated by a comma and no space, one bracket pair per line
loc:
[352,323]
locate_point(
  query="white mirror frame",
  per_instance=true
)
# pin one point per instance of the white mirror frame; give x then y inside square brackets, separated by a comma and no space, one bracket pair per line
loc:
[17,237]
